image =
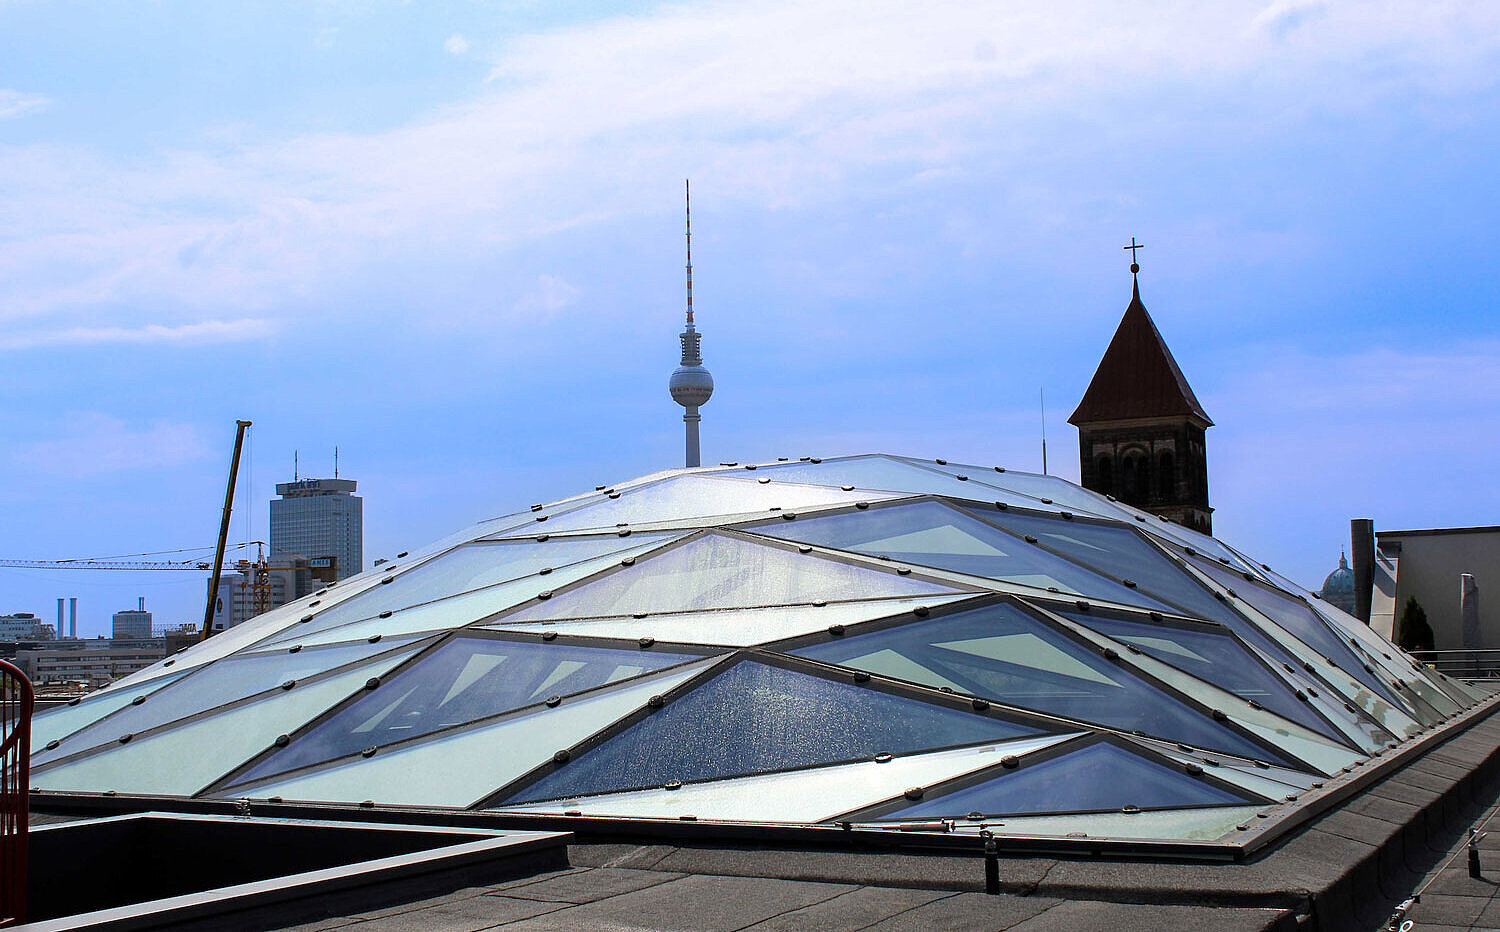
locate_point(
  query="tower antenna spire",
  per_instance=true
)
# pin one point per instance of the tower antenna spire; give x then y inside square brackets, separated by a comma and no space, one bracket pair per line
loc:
[687,197]
[691,385]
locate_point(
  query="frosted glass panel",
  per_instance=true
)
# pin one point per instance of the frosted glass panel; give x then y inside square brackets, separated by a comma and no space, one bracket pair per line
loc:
[1116,552]
[1002,653]
[466,584]
[217,684]
[733,627]
[180,761]
[1216,658]
[60,721]
[934,534]
[466,608]
[1259,782]
[879,472]
[1302,622]
[812,795]
[717,571]
[701,497]
[1058,493]
[463,680]
[461,768]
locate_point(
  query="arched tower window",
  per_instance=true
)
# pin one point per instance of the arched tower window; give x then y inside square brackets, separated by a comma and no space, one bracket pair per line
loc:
[1104,472]
[1166,476]
[1132,478]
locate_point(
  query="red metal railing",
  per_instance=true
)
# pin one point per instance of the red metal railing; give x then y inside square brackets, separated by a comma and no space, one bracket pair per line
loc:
[16,703]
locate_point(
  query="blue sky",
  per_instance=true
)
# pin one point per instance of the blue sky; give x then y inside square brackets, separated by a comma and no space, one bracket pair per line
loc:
[446,237]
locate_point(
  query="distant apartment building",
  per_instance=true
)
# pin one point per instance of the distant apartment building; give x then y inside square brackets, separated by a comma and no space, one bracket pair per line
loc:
[132,623]
[24,626]
[319,520]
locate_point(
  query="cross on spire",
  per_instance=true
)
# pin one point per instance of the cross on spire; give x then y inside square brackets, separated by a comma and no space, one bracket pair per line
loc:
[1134,265]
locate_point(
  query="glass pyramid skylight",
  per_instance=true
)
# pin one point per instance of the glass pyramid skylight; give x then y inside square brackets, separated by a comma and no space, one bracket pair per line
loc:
[873,640]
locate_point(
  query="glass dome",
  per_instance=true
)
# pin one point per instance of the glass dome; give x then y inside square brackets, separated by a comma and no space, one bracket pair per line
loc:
[872,640]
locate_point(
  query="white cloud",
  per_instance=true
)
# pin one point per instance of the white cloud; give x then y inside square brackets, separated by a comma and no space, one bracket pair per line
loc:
[456,44]
[94,444]
[326,37]
[208,331]
[550,295]
[1282,16]
[18,103]
[784,103]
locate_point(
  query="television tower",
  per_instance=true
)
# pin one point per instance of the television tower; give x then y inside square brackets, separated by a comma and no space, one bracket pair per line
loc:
[691,384]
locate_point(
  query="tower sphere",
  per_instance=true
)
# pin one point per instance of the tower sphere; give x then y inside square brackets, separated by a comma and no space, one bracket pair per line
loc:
[691,386]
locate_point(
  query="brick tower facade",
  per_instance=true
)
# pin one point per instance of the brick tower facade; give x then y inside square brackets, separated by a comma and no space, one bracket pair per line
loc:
[1140,428]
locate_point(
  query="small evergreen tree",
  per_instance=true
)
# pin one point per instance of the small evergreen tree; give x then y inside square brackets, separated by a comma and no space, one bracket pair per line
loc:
[1412,631]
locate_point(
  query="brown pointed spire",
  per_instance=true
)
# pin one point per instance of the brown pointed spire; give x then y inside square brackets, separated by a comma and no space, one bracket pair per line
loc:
[1137,378]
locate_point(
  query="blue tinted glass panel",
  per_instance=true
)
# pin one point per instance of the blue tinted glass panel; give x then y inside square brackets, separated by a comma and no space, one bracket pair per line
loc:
[1303,624]
[462,681]
[1098,777]
[1117,552]
[933,534]
[1002,653]
[1214,658]
[755,717]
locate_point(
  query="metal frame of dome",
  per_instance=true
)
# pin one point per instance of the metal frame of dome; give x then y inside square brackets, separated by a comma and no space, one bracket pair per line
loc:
[856,643]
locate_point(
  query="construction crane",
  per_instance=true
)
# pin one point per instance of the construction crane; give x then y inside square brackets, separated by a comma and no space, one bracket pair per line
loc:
[213,583]
[194,565]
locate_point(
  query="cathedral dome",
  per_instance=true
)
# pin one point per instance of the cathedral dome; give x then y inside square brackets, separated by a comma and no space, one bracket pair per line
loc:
[1338,588]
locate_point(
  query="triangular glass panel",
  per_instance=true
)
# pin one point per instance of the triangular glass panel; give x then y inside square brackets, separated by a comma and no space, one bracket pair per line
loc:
[1444,695]
[755,717]
[1206,824]
[740,627]
[1028,489]
[1114,551]
[459,768]
[1003,653]
[1215,658]
[1100,777]
[1252,779]
[1292,741]
[465,584]
[934,534]
[209,687]
[58,722]
[181,760]
[456,611]
[809,795]
[720,571]
[1295,617]
[697,497]
[463,680]
[865,473]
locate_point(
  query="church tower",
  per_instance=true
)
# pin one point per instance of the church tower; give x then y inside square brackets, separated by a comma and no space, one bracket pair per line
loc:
[1141,428]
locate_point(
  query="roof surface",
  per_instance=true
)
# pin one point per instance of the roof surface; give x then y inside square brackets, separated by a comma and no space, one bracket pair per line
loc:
[870,643]
[1137,378]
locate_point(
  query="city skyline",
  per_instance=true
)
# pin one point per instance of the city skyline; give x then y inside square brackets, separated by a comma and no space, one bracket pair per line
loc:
[447,237]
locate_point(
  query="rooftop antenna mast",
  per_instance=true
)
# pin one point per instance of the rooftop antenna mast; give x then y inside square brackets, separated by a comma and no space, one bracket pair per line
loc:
[691,385]
[335,462]
[1043,393]
[296,474]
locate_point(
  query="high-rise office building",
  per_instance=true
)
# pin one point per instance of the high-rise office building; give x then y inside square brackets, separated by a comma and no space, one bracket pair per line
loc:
[132,622]
[318,520]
